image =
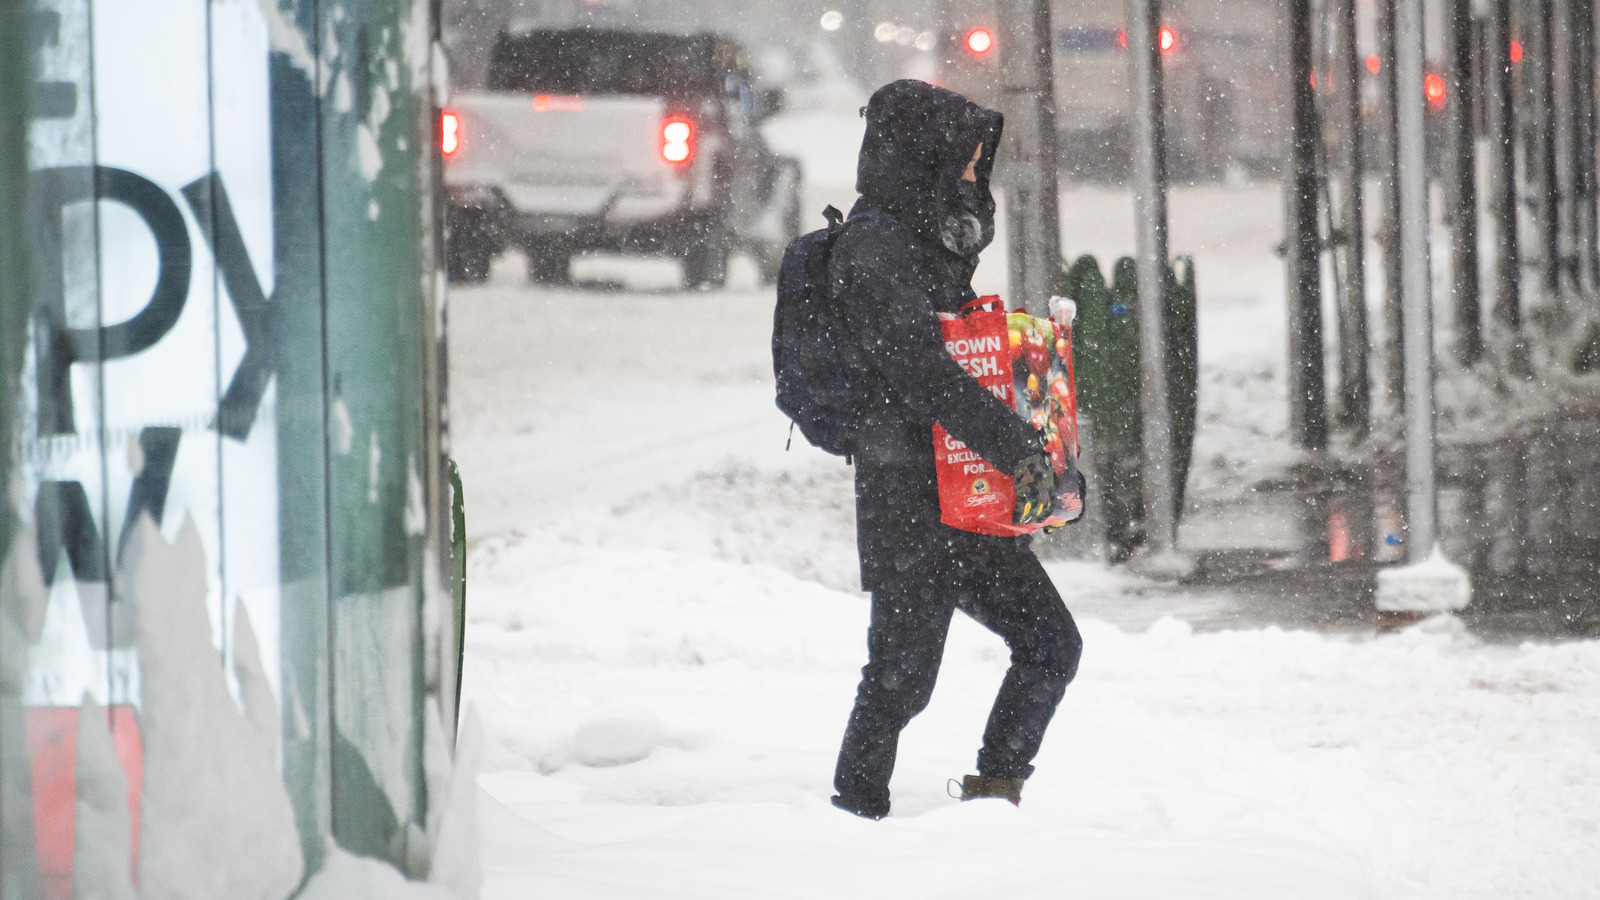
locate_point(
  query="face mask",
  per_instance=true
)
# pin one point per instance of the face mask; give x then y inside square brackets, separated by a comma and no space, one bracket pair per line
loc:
[970,228]
[971,197]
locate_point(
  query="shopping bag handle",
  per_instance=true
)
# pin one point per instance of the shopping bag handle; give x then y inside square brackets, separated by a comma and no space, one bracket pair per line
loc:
[985,300]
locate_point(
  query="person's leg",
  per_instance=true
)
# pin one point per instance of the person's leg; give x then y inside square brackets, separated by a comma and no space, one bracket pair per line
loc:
[1014,598]
[905,642]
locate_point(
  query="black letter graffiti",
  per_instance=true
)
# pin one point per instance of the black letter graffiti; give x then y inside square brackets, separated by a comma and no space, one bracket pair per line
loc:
[65,520]
[62,514]
[237,412]
[159,446]
[61,346]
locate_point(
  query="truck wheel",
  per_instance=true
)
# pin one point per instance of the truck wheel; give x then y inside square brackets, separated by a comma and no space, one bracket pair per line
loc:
[705,266]
[467,258]
[548,265]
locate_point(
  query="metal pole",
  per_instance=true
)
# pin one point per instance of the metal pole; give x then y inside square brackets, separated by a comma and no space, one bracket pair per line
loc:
[1503,173]
[1308,415]
[1579,72]
[1565,40]
[1540,74]
[17,867]
[1355,385]
[1588,238]
[1388,140]
[1460,102]
[1150,204]
[1032,202]
[1420,508]
[19,871]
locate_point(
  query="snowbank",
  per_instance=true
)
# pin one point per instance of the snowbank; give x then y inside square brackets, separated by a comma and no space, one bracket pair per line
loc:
[664,636]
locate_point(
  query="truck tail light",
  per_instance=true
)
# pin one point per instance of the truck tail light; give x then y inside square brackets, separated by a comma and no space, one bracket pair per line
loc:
[1165,37]
[677,140]
[449,133]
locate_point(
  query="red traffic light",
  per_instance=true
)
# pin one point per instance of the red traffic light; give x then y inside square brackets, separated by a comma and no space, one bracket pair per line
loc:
[1434,87]
[979,40]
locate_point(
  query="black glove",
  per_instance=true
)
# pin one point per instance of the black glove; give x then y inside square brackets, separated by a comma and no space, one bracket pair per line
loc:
[1036,489]
[1083,496]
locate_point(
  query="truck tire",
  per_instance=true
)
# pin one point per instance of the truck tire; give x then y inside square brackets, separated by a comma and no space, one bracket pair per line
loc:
[705,265]
[467,258]
[548,265]
[772,257]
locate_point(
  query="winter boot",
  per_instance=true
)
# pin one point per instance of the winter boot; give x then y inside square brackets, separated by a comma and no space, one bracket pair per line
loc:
[865,810]
[976,786]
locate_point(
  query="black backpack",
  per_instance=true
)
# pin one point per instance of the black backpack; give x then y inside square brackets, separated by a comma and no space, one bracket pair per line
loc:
[814,388]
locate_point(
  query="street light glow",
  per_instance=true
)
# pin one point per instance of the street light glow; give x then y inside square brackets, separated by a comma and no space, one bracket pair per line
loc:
[832,20]
[884,32]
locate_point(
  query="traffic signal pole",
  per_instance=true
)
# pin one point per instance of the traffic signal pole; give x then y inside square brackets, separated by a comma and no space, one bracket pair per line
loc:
[1027,89]
[1150,202]
[1430,584]
[1419,414]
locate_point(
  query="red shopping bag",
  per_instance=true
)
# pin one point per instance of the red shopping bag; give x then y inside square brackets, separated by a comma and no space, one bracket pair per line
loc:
[1027,363]
[974,495]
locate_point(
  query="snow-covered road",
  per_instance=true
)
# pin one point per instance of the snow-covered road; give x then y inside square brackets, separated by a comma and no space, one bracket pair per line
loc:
[664,634]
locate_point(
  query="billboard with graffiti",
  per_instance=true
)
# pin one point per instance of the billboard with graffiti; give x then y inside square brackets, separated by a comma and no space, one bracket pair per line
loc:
[224,592]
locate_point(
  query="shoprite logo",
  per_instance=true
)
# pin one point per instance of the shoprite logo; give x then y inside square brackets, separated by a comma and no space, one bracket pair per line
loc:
[982,493]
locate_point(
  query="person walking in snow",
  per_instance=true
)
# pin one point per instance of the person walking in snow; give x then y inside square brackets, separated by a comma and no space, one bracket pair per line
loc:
[907,253]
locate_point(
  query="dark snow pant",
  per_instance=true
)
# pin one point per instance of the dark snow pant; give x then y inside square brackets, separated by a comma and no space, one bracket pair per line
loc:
[905,643]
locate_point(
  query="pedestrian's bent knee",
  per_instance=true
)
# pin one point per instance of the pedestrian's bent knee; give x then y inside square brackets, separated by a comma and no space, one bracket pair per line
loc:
[1065,652]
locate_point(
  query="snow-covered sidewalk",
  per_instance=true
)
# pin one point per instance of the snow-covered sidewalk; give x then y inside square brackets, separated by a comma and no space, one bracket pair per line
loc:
[664,634]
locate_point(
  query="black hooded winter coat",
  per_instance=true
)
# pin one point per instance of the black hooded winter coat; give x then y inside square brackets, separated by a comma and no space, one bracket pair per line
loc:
[894,274]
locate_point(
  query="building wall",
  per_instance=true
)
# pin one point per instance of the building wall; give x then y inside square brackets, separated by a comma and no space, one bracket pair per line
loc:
[223,606]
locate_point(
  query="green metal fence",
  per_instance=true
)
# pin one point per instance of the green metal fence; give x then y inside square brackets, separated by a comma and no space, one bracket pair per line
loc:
[1106,361]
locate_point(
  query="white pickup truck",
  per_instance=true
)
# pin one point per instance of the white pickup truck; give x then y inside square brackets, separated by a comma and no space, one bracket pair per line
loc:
[615,141]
